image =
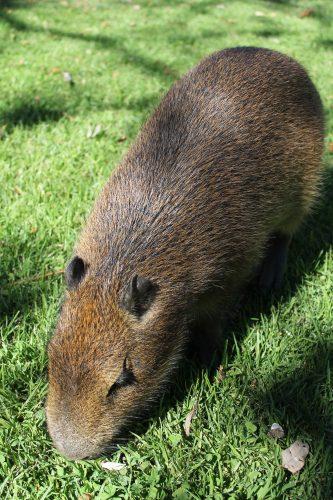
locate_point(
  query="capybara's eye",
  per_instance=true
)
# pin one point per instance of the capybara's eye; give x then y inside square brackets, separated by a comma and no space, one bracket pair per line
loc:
[112,390]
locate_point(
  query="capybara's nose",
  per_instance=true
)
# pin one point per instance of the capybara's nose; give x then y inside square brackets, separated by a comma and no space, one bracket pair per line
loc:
[69,442]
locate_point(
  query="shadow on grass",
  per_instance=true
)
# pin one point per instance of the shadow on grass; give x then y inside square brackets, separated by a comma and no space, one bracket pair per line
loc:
[19,295]
[16,4]
[30,114]
[148,65]
[325,42]
[298,399]
[27,112]
[15,299]
[303,405]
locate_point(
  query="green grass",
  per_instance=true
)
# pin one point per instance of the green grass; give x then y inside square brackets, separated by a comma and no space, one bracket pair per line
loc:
[279,351]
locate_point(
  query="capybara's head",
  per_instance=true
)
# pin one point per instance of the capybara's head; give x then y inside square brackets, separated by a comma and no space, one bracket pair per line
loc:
[111,355]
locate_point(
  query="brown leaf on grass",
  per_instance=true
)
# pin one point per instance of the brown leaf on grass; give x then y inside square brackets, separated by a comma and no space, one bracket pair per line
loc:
[18,190]
[307,12]
[293,458]
[113,466]
[276,431]
[330,147]
[34,230]
[189,418]
[122,138]
[85,496]
[54,71]
[220,373]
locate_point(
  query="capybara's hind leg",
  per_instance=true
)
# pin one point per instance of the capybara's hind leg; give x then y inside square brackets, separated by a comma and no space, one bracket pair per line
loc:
[274,263]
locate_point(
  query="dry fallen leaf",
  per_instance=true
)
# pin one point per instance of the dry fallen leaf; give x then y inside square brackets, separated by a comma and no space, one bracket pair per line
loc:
[54,70]
[188,419]
[330,147]
[293,458]
[33,230]
[220,373]
[276,431]
[113,466]
[85,496]
[122,138]
[307,12]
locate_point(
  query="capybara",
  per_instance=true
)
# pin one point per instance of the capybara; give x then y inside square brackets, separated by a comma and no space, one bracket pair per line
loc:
[211,192]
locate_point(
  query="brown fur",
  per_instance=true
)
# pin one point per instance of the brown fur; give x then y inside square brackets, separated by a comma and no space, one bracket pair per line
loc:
[229,158]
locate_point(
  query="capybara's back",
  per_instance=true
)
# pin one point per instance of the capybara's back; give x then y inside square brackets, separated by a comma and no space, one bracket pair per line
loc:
[211,192]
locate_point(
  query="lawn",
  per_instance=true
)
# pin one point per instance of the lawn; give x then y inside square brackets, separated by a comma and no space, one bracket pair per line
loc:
[59,141]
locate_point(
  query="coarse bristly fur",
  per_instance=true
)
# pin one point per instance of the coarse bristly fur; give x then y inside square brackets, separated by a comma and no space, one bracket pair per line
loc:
[217,182]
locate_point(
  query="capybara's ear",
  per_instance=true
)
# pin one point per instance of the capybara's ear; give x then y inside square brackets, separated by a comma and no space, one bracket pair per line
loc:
[139,295]
[75,272]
